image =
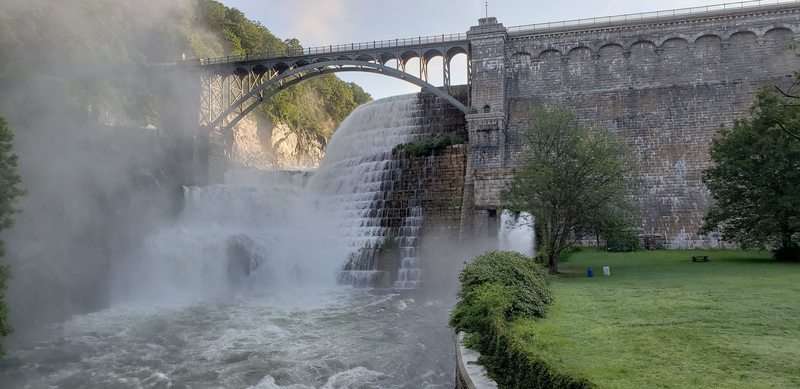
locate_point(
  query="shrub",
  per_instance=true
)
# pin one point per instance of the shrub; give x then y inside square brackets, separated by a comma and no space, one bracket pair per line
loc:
[622,241]
[568,251]
[425,147]
[496,288]
[527,281]
[477,309]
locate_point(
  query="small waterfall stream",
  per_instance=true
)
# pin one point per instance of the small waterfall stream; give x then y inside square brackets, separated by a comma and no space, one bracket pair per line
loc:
[409,275]
[517,233]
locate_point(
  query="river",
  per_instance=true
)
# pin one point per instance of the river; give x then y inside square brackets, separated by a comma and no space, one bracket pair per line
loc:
[340,338]
[241,289]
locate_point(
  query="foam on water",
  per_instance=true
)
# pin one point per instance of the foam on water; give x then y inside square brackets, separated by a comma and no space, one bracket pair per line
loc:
[349,338]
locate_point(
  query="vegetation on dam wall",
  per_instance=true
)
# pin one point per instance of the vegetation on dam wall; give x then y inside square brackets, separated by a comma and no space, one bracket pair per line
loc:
[427,146]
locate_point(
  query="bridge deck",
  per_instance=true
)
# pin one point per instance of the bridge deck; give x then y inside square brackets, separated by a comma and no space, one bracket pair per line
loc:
[349,49]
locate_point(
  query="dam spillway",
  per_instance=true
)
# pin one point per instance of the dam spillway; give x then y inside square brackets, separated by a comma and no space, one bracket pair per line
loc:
[379,195]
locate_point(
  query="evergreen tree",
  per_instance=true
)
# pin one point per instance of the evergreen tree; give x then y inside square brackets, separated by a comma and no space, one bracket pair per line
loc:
[9,190]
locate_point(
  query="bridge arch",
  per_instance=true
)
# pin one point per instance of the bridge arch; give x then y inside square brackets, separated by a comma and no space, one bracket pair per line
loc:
[292,76]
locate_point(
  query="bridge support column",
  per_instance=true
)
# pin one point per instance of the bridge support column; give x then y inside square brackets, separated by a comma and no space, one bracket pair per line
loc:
[486,124]
[446,73]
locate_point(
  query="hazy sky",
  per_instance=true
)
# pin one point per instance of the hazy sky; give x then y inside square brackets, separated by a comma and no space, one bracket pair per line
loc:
[323,22]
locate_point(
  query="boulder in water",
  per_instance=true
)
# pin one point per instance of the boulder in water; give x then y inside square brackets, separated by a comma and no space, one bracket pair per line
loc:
[243,259]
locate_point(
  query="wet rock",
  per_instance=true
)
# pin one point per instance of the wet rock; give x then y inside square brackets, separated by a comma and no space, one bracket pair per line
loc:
[243,259]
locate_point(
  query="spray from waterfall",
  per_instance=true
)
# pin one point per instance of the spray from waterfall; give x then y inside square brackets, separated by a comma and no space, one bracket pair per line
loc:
[274,236]
[517,233]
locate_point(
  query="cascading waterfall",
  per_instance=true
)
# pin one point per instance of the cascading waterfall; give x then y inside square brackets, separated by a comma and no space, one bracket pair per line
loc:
[516,233]
[270,230]
[358,174]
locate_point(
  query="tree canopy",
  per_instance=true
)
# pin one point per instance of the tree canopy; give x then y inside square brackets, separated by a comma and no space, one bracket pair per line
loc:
[755,180]
[573,179]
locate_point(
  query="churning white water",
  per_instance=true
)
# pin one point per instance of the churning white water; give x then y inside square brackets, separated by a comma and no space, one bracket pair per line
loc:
[517,233]
[241,290]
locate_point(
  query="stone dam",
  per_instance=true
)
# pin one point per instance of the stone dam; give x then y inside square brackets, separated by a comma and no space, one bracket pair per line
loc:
[667,85]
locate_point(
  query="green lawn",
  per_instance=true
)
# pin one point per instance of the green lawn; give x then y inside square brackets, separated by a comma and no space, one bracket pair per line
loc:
[661,320]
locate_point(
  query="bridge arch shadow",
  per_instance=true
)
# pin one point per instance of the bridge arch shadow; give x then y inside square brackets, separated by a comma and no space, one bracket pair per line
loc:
[292,76]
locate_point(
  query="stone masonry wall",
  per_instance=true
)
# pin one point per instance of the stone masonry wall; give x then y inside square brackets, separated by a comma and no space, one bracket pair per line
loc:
[666,87]
[435,183]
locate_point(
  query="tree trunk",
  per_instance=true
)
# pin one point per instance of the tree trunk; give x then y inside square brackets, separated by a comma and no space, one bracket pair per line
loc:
[552,264]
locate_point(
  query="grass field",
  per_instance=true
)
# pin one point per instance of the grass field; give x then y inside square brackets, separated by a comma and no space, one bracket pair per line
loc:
[661,320]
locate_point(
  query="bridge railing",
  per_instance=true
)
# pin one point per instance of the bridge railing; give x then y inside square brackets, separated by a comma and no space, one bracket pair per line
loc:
[332,49]
[647,16]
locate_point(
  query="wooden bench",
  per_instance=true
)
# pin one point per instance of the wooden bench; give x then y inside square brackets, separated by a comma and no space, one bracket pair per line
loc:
[700,258]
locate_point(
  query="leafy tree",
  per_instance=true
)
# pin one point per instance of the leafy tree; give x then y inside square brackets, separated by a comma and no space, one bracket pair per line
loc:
[573,179]
[293,46]
[9,179]
[359,95]
[755,180]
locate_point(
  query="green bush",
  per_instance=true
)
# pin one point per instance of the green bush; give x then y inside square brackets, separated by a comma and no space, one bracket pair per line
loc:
[527,281]
[476,310]
[496,288]
[622,241]
[427,146]
[513,367]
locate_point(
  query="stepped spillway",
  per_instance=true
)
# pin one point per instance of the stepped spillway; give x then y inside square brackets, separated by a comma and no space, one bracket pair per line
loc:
[358,176]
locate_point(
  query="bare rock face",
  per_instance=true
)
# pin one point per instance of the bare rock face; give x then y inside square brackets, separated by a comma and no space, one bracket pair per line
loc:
[260,144]
[297,149]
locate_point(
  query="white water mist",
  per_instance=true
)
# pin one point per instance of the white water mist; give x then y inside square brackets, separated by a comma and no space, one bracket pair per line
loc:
[517,233]
[272,237]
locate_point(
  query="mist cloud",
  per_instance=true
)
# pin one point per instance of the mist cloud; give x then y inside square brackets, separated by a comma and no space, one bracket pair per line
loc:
[81,107]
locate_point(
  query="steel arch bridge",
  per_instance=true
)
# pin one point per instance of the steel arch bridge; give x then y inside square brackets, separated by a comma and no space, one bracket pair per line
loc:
[235,85]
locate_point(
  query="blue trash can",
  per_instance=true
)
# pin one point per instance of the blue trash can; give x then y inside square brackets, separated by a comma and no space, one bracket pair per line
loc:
[589,272]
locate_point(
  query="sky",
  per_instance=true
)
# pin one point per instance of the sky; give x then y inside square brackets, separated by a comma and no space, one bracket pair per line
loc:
[325,22]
